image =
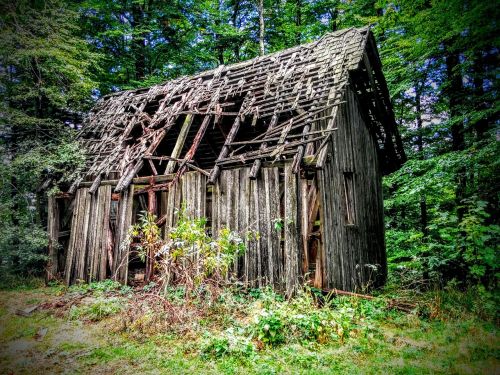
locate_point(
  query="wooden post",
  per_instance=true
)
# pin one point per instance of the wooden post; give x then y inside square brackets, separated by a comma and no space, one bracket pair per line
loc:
[150,256]
[291,232]
[304,221]
[75,258]
[53,231]
[123,222]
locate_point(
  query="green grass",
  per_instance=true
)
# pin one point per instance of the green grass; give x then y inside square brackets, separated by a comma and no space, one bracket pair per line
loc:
[380,341]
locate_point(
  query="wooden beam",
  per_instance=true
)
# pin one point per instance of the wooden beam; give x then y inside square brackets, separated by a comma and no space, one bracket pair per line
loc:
[150,256]
[136,181]
[297,159]
[323,148]
[258,162]
[291,226]
[181,139]
[153,168]
[230,137]
[123,222]
[199,135]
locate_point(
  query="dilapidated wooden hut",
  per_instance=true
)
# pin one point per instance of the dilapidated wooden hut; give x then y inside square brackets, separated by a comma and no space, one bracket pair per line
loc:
[301,136]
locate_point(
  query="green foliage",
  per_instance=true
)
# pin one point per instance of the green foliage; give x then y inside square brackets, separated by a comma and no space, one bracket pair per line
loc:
[193,256]
[460,240]
[231,343]
[46,81]
[272,322]
[480,241]
[97,287]
[96,310]
[10,281]
[147,234]
[269,328]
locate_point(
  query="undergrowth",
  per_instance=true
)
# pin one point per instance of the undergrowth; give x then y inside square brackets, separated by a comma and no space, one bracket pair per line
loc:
[259,331]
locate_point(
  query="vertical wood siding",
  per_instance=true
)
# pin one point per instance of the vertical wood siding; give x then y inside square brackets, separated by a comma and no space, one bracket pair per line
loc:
[251,208]
[123,222]
[354,250]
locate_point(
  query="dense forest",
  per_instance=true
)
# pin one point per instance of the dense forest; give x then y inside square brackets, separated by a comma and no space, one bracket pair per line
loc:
[440,59]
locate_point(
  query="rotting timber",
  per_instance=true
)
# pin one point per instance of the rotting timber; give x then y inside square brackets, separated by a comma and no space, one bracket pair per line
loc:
[302,137]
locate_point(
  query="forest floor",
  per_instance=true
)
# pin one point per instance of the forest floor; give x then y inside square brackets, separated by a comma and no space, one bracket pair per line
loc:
[93,331]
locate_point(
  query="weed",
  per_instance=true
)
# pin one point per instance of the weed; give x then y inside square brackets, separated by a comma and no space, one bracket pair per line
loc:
[97,310]
[96,288]
[231,342]
[10,281]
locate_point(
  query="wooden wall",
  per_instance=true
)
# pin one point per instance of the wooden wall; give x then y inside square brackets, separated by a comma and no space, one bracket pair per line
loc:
[351,204]
[94,250]
[252,207]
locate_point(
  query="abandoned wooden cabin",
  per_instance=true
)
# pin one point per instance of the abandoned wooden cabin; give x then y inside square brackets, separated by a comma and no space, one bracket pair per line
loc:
[301,137]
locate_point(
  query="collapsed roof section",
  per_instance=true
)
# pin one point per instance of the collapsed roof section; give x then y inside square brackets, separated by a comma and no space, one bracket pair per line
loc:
[259,110]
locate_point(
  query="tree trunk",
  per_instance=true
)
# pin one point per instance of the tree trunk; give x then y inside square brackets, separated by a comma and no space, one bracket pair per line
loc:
[234,20]
[261,27]
[218,43]
[298,22]
[482,124]
[454,93]
[333,18]
[420,149]
[138,42]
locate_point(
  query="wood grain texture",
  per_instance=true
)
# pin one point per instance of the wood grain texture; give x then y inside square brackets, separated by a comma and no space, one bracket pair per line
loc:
[354,246]
[53,233]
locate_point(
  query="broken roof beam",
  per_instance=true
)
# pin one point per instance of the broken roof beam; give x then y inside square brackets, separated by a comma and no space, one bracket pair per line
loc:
[321,153]
[181,139]
[199,135]
[258,162]
[247,102]
[297,159]
[157,136]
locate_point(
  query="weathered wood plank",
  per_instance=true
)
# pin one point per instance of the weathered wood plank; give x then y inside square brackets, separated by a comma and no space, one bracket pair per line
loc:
[53,232]
[304,222]
[123,222]
[104,235]
[181,139]
[291,231]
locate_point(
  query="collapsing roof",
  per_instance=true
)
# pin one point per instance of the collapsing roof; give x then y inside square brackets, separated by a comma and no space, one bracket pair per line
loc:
[260,110]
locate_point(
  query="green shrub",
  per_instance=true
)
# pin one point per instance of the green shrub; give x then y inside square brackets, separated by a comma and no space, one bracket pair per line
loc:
[231,342]
[269,328]
[192,258]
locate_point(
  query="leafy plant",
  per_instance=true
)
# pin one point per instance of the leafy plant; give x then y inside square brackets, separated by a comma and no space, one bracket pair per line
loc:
[269,328]
[231,342]
[146,234]
[190,257]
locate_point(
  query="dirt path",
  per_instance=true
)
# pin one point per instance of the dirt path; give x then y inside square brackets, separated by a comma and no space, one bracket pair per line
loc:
[42,343]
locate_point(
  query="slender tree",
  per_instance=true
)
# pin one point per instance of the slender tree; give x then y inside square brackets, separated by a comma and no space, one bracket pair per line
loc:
[261,26]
